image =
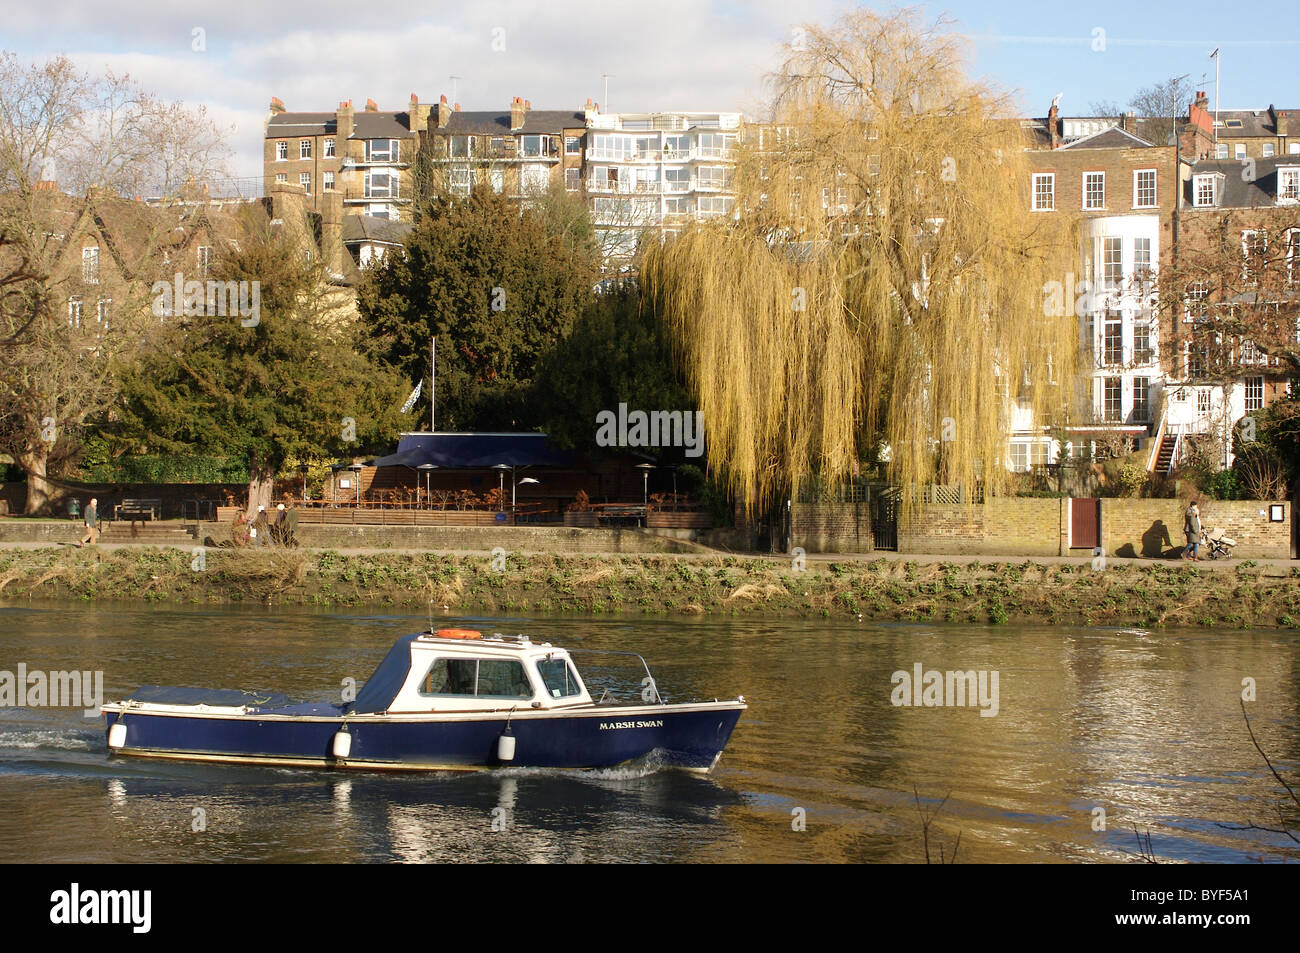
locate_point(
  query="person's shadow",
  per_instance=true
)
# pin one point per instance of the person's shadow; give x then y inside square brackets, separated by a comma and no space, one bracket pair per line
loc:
[1153,539]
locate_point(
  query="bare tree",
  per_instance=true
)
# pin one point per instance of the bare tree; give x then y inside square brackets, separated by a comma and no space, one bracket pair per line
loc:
[1159,103]
[77,256]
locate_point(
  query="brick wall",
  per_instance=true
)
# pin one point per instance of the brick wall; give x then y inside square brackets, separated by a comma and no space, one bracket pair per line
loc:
[831,527]
[1155,527]
[1020,526]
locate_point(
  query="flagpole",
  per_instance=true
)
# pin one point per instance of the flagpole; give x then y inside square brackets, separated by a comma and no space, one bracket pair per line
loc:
[433,383]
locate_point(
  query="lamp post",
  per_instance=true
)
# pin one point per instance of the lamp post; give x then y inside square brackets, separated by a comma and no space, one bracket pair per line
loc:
[428,469]
[501,469]
[356,470]
[645,469]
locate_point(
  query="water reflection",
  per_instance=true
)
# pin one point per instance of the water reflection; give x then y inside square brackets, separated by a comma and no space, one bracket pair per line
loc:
[1146,728]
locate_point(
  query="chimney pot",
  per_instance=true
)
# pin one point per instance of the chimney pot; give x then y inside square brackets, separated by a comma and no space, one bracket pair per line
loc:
[443,99]
[457,107]
[371,107]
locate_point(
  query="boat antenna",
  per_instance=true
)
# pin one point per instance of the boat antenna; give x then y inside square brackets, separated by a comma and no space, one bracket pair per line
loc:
[430,616]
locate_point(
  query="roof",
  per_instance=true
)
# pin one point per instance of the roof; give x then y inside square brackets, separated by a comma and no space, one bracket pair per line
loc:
[371,228]
[301,124]
[463,451]
[1112,138]
[1235,191]
[1254,122]
[381,125]
[496,123]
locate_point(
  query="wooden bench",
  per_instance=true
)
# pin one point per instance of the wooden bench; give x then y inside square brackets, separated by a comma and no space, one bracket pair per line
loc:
[137,510]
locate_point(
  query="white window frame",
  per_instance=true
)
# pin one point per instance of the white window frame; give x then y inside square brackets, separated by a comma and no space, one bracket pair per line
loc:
[327,181]
[304,180]
[1137,189]
[1288,185]
[282,150]
[1267,150]
[1049,179]
[90,265]
[282,178]
[1257,401]
[1239,151]
[203,258]
[74,311]
[1088,206]
[1198,184]
[329,148]
[304,148]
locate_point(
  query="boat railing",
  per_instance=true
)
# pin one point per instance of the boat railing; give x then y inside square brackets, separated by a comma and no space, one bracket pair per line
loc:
[649,687]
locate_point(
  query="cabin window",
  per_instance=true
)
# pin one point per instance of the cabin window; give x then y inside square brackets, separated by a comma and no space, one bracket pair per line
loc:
[481,678]
[557,676]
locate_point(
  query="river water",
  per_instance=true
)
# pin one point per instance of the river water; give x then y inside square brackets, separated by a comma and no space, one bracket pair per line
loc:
[1147,728]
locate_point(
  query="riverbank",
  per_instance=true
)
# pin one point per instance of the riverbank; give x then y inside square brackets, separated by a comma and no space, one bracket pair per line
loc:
[1122,594]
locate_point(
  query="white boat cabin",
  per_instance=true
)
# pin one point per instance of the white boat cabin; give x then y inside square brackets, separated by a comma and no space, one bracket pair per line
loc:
[464,670]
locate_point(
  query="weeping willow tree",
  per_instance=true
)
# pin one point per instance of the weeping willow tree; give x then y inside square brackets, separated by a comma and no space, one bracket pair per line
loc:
[880,284]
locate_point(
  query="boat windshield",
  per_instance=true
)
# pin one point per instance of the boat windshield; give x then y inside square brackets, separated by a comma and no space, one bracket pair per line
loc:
[558,677]
[497,678]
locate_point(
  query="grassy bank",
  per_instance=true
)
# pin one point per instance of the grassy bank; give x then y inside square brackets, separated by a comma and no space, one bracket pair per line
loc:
[1156,595]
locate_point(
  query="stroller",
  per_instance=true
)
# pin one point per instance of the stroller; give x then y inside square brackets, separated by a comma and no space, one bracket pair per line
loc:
[1220,545]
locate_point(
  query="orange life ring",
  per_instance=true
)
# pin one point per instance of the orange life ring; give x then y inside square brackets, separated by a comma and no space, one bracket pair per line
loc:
[459,634]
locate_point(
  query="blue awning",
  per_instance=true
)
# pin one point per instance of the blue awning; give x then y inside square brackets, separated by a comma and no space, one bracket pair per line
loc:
[461,451]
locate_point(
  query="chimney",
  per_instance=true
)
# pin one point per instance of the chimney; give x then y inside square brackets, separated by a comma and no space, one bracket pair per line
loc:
[518,110]
[1053,130]
[371,107]
[46,185]
[1279,123]
[442,112]
[277,105]
[591,110]
[457,107]
[1128,122]
[419,115]
[345,124]
[331,238]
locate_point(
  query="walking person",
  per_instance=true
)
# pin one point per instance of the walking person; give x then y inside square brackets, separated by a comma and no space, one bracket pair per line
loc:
[261,528]
[91,522]
[1192,530]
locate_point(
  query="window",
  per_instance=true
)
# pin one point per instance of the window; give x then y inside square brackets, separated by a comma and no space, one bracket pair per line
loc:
[282,178]
[304,179]
[1288,186]
[462,180]
[534,178]
[1249,353]
[1239,151]
[1142,342]
[1094,190]
[479,678]
[383,150]
[90,265]
[677,180]
[1254,393]
[383,185]
[1205,191]
[572,145]
[1293,149]
[1195,361]
[327,181]
[1198,305]
[711,205]
[1112,262]
[460,147]
[1044,191]
[558,677]
[497,145]
[1020,457]
[281,150]
[1114,398]
[1113,339]
[715,145]
[1202,403]
[204,259]
[1221,150]
[1142,262]
[1142,398]
[74,311]
[1291,256]
[101,311]
[497,179]
[1144,188]
[1267,151]
[873,164]
[1254,249]
[533,147]
[304,148]
[714,177]
[329,148]
[572,179]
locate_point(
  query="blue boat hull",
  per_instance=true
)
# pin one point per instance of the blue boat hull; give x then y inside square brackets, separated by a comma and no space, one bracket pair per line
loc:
[686,736]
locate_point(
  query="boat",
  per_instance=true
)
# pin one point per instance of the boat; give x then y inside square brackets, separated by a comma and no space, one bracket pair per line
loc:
[445,699]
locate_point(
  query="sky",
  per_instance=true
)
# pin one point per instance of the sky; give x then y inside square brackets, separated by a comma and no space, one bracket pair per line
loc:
[232,57]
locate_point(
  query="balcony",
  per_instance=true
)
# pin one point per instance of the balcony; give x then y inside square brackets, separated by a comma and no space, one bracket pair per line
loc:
[359,196]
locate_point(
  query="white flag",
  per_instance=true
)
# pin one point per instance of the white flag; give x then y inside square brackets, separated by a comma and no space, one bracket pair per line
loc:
[415,395]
